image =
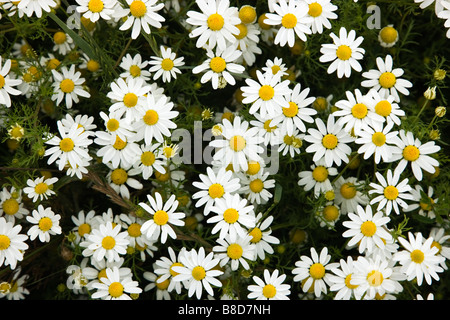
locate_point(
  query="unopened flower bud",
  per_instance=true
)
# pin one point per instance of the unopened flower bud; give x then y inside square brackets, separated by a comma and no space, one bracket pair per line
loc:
[430,94]
[434,134]
[440,111]
[439,74]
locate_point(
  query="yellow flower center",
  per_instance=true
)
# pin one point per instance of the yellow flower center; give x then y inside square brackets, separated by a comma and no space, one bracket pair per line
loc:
[261,22]
[256,185]
[101,274]
[234,251]
[348,278]
[67,85]
[266,92]
[160,217]
[330,141]
[242,31]
[134,230]
[315,9]
[427,206]
[237,143]
[375,278]
[115,289]
[275,69]
[135,71]
[162,285]
[138,9]
[163,177]
[175,264]
[383,108]
[217,64]
[198,273]
[59,37]
[348,190]
[267,126]
[10,206]
[378,139]
[130,100]
[45,224]
[359,110]
[119,176]
[4,242]
[247,14]
[151,117]
[112,125]
[41,188]
[388,34]
[2,81]
[437,245]
[215,22]
[291,111]
[368,228]
[320,104]
[53,64]
[317,271]
[95,5]
[391,192]
[66,145]
[231,215]
[84,229]
[92,65]
[320,173]
[411,153]
[148,158]
[330,213]
[256,235]
[343,52]
[417,256]
[269,291]
[289,21]
[119,144]
[253,167]
[387,80]
[108,242]
[216,190]
[167,64]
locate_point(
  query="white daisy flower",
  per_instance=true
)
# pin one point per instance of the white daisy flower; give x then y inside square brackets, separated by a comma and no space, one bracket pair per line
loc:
[386,80]
[40,188]
[162,292]
[294,20]
[234,216]
[388,36]
[81,120]
[440,239]
[67,85]
[445,14]
[7,83]
[154,119]
[314,271]
[267,95]
[256,187]
[117,126]
[96,9]
[321,11]
[329,142]
[347,194]
[63,43]
[17,289]
[163,216]
[215,25]
[84,223]
[276,66]
[344,52]
[134,67]
[120,179]
[411,150]
[164,269]
[116,151]
[424,201]
[133,226]
[391,193]
[140,15]
[220,66]
[45,224]
[317,178]
[97,270]
[419,258]
[166,66]
[385,107]
[106,242]
[366,229]
[149,160]
[11,205]
[328,215]
[262,236]
[12,243]
[248,36]
[271,288]
[235,251]
[270,133]
[341,280]
[290,143]
[114,286]
[238,144]
[30,7]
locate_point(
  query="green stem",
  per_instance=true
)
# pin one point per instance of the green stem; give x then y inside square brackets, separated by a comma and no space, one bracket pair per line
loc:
[421,110]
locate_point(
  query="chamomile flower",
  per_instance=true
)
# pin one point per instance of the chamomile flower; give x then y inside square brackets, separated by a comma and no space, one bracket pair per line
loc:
[238,144]
[67,85]
[267,95]
[247,38]
[116,125]
[96,9]
[290,143]
[116,151]
[328,215]
[121,178]
[115,287]
[445,14]
[262,236]
[30,7]
[106,242]
[418,260]
[140,15]
[385,107]
[424,201]
[317,178]
[391,193]
[63,43]
[269,132]
[275,66]
[329,142]
[214,185]
[235,251]
[7,83]
[366,229]
[45,223]
[220,65]
[233,216]
[388,36]
[162,292]
[256,187]
[321,11]
[166,66]
[410,150]
[440,239]
[81,120]
[40,188]
[154,119]
[11,205]
[163,267]
[215,25]
[293,19]
[12,243]
[149,160]
[17,290]
[163,216]
[341,280]
[134,67]
[347,194]
[314,272]
[386,80]
[84,223]
[344,52]
[271,288]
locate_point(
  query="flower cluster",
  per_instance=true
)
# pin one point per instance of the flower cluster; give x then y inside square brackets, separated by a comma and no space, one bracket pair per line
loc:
[323,173]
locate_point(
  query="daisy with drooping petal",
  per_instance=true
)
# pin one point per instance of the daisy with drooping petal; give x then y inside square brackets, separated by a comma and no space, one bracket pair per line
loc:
[12,243]
[419,259]
[166,66]
[391,193]
[314,271]
[134,67]
[366,229]
[271,288]
[235,250]
[96,9]
[347,194]
[388,36]
[7,83]
[386,80]
[114,286]
[294,20]
[215,25]
[328,215]
[411,150]
[329,142]
[63,43]
[321,11]
[317,178]
[198,270]
[262,236]
[344,52]
[121,177]
[341,280]
[11,205]
[163,215]
[424,201]
[220,66]
[40,188]
[68,86]
[385,107]
[45,224]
